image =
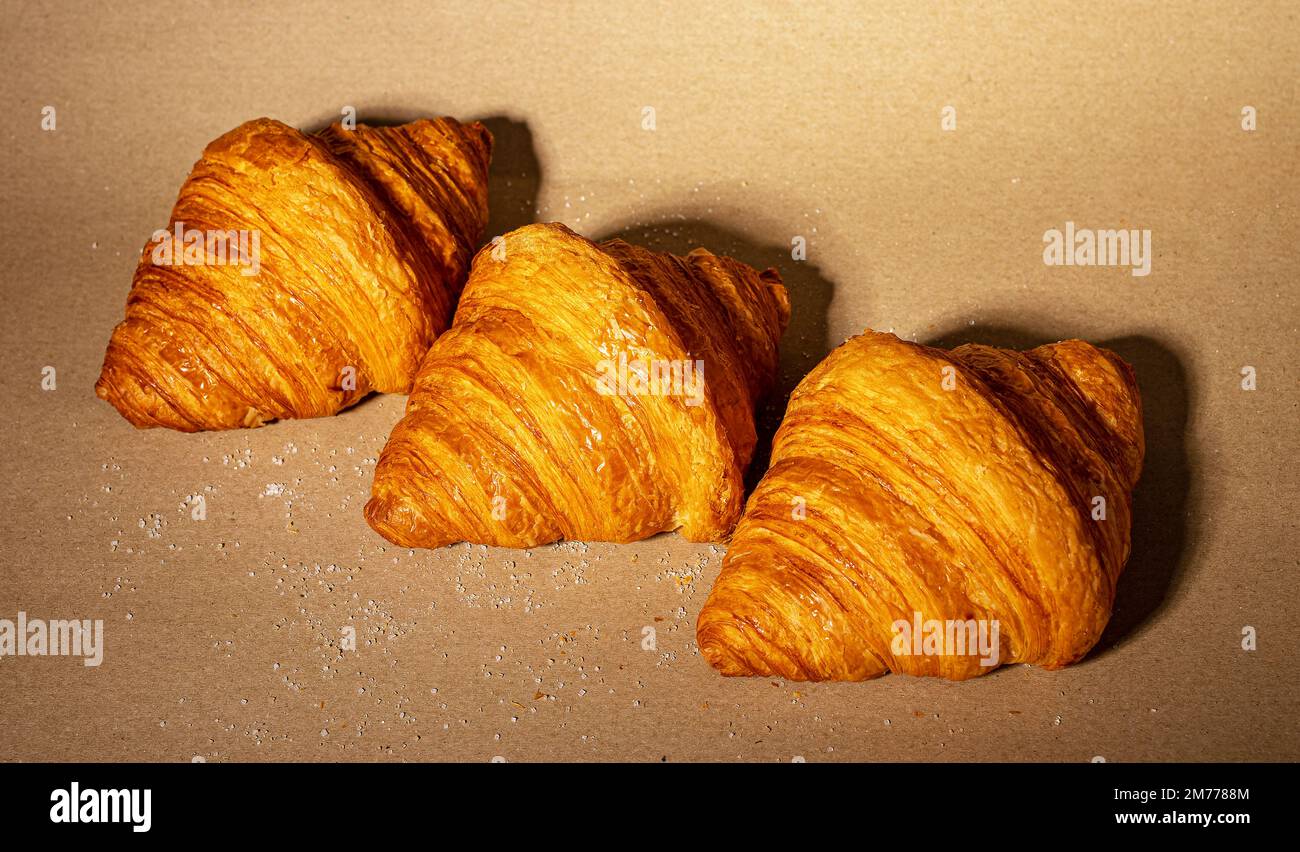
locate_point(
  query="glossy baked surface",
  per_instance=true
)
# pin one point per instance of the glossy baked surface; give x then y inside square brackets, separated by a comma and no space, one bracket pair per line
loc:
[955,484]
[507,438]
[363,238]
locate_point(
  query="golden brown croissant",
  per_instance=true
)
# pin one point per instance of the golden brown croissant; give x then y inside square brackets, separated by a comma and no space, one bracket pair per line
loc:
[599,392]
[298,273]
[921,502]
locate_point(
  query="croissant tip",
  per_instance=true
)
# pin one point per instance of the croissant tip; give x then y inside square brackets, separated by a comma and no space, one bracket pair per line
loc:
[717,654]
[483,134]
[106,390]
[772,278]
[726,642]
[396,518]
[377,516]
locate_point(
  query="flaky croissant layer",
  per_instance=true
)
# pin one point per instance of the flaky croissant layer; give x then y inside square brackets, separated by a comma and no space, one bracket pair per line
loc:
[595,392]
[933,512]
[299,273]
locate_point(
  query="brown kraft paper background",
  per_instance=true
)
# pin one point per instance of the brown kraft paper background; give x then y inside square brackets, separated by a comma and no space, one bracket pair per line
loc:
[822,121]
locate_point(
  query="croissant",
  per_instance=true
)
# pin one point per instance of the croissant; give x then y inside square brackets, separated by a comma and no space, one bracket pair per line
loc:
[585,391]
[299,273]
[921,502]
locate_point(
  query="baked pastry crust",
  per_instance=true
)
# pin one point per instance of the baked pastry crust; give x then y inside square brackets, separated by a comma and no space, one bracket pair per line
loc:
[508,438]
[364,237]
[953,484]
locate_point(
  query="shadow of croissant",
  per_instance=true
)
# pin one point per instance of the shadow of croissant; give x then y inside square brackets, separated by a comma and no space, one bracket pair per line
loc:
[1162,499]
[514,178]
[807,339]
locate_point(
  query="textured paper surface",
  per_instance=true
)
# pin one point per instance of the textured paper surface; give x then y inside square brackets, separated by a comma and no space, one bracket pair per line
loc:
[222,636]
